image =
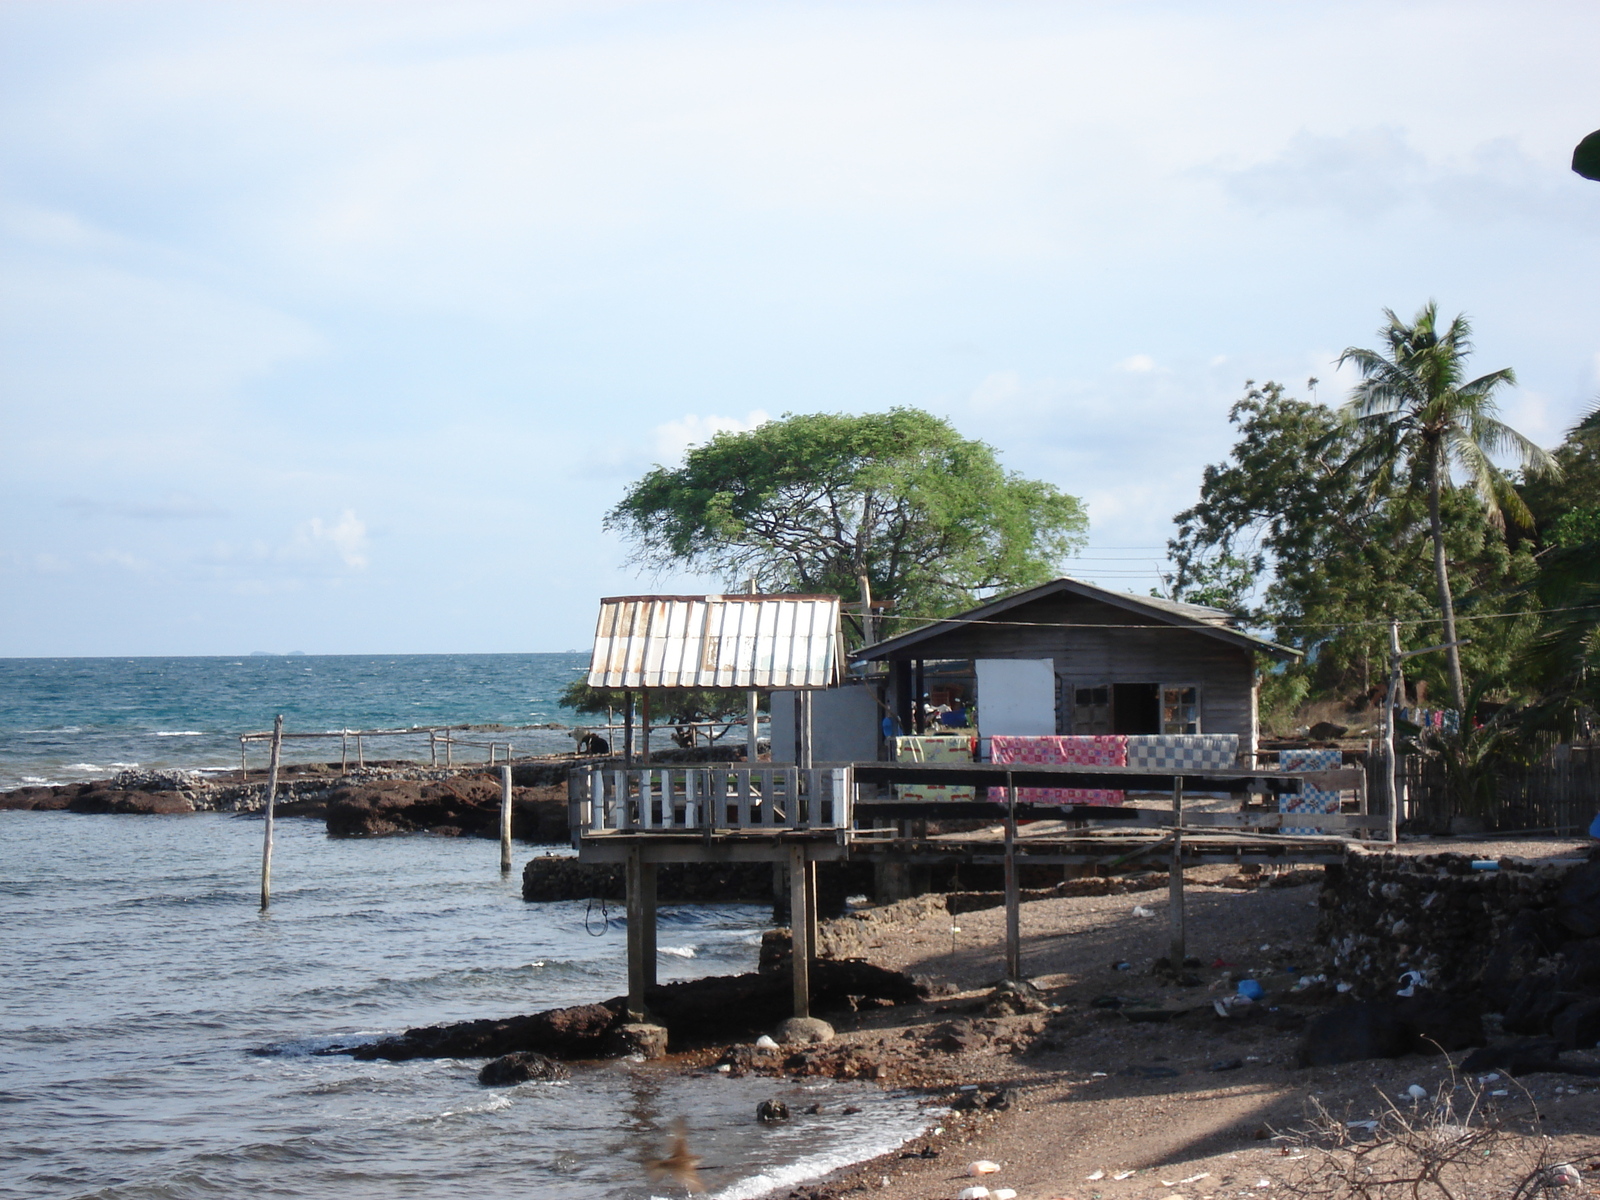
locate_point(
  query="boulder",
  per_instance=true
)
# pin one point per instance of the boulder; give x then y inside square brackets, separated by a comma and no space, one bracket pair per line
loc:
[636,1039]
[771,1112]
[36,799]
[803,1031]
[524,1066]
[463,806]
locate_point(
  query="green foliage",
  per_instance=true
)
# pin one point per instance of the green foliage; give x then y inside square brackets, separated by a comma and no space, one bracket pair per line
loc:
[1326,558]
[1415,417]
[678,707]
[810,502]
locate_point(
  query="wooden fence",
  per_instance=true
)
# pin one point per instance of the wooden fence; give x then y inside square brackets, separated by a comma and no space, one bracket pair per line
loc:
[1561,792]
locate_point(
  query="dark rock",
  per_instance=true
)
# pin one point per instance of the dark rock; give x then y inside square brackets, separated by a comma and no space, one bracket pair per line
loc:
[1527,1056]
[770,1112]
[561,1032]
[1326,731]
[803,1031]
[1003,1100]
[1578,905]
[101,799]
[1577,1026]
[466,805]
[522,1067]
[636,1038]
[35,799]
[1389,1029]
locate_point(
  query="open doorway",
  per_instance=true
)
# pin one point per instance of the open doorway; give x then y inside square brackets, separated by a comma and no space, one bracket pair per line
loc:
[1135,708]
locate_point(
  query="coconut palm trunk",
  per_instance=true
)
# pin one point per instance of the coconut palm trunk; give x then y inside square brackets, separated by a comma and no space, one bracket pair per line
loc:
[1441,573]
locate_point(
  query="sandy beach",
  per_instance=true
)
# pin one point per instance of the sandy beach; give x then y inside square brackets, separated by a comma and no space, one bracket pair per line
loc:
[1094,1102]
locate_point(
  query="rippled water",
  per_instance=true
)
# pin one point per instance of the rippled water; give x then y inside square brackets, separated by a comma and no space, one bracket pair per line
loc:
[67,719]
[137,975]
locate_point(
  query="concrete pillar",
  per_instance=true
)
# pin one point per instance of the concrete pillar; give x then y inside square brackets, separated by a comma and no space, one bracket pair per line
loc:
[641,879]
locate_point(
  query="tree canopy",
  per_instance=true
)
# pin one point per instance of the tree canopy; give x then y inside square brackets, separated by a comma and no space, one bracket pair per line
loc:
[1415,413]
[812,502]
[1292,541]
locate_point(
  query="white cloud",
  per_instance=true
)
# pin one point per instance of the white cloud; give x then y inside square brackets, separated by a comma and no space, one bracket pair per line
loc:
[675,438]
[1139,362]
[346,538]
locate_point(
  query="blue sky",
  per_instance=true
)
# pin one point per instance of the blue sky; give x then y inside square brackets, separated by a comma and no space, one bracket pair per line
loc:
[338,327]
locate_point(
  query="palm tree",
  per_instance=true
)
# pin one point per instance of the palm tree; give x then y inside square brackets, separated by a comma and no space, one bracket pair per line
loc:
[1413,414]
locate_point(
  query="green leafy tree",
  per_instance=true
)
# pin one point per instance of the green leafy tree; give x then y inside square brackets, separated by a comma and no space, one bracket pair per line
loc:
[1564,663]
[1415,416]
[814,502]
[1287,538]
[681,708]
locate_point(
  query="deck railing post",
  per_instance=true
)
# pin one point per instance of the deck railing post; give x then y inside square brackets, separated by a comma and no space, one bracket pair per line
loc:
[1177,950]
[1013,892]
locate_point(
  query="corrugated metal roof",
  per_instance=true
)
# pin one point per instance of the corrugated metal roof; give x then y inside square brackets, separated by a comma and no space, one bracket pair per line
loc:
[716,641]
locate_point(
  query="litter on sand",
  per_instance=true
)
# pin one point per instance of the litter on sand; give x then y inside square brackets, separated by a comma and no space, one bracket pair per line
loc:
[983,1167]
[1120,1175]
[1095,1176]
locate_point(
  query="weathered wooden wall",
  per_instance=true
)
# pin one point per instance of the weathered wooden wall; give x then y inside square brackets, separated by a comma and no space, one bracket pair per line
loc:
[1094,643]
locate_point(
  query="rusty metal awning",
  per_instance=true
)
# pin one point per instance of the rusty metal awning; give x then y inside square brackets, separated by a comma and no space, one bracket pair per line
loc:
[716,641]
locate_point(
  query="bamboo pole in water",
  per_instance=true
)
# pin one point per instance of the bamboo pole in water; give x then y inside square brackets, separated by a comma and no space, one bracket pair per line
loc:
[505,820]
[272,788]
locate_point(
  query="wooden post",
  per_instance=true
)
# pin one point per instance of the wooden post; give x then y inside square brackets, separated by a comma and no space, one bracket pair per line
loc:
[449,749]
[752,706]
[644,730]
[1390,763]
[266,835]
[641,932]
[1177,950]
[344,751]
[803,757]
[361,754]
[627,728]
[802,902]
[505,820]
[243,770]
[433,748]
[1013,892]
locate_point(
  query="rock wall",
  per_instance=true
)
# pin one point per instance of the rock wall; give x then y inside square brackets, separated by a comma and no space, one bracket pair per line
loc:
[1523,938]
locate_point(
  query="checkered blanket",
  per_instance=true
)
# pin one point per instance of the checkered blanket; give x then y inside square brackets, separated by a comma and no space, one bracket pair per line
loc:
[1309,799]
[932,749]
[1103,751]
[1183,751]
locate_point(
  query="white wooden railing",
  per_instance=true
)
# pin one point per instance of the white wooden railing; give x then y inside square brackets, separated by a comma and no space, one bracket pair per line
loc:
[721,798]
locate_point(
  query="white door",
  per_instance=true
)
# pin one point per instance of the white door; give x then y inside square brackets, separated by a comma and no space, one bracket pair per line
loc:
[1016,696]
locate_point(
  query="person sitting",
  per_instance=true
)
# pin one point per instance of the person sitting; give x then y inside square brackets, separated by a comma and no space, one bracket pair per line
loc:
[955,717]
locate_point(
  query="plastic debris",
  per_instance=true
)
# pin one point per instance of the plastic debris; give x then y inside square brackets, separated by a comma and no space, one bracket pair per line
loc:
[1562,1175]
[765,1043]
[1140,910]
[1095,1176]
[1121,1175]
[982,1167]
[969,1193]
[1250,989]
[1417,1092]
[1003,1194]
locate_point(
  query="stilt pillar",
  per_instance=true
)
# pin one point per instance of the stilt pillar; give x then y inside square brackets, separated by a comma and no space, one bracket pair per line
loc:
[641,877]
[1177,948]
[802,925]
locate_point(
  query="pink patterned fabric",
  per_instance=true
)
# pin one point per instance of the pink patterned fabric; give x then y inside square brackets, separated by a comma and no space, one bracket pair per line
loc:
[1102,751]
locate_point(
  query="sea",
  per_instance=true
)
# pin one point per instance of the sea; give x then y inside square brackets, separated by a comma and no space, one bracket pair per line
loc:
[159,1033]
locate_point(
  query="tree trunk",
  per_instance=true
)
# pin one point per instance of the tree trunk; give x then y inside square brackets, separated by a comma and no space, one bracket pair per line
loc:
[1442,575]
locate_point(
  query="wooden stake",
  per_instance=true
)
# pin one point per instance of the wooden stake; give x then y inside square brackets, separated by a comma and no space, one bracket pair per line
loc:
[641,882]
[505,820]
[266,837]
[1177,951]
[644,733]
[344,751]
[1013,892]
[627,728]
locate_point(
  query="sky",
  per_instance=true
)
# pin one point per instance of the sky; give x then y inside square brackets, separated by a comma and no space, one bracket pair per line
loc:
[339,326]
